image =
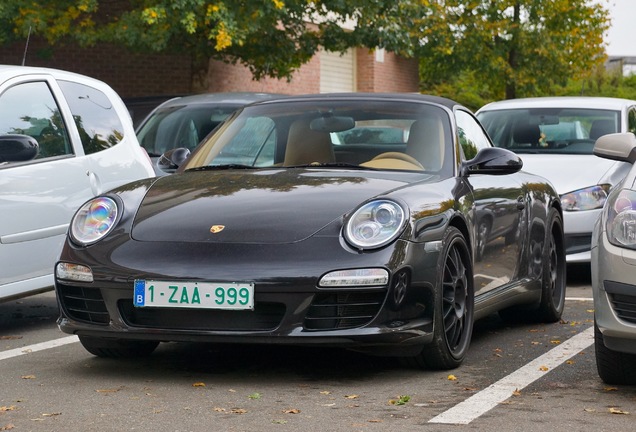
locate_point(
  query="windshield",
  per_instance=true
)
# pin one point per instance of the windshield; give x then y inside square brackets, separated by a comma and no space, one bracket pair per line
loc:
[549,130]
[361,134]
[180,126]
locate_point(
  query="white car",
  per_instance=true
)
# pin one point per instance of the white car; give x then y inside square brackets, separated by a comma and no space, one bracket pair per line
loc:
[64,138]
[555,137]
[614,269]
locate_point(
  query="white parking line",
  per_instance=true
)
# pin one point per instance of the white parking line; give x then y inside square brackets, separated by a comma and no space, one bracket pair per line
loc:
[37,347]
[490,397]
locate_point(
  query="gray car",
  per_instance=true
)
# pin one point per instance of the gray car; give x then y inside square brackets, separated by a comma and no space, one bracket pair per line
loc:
[614,268]
[182,122]
[554,137]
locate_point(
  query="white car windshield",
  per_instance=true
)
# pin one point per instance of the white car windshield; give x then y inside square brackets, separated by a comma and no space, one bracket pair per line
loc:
[549,130]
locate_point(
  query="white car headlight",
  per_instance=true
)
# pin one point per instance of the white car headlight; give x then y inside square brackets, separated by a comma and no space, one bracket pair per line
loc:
[621,219]
[94,220]
[375,224]
[585,199]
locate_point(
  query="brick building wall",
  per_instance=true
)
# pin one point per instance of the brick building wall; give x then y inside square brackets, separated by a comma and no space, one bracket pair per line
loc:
[131,74]
[379,71]
[224,77]
[134,74]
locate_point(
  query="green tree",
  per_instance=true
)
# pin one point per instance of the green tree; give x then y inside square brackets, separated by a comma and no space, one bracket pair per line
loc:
[516,47]
[270,37]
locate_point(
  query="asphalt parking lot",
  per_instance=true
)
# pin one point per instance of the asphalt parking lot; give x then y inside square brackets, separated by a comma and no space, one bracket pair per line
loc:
[531,376]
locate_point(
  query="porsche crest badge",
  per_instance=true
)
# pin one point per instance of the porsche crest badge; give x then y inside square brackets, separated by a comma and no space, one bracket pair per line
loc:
[215,229]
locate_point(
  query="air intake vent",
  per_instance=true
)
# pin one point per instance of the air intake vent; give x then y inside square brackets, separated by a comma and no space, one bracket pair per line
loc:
[83,304]
[343,310]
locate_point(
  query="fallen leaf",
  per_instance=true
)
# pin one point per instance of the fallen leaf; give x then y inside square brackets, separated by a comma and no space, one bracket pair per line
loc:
[589,410]
[590,310]
[7,427]
[107,390]
[291,411]
[238,411]
[51,414]
[325,392]
[351,396]
[10,337]
[232,390]
[279,421]
[375,421]
[570,362]
[544,368]
[198,384]
[452,378]
[8,408]
[618,411]
[608,389]
[217,409]
[535,343]
[255,396]
[555,342]
[28,377]
[516,392]
[470,389]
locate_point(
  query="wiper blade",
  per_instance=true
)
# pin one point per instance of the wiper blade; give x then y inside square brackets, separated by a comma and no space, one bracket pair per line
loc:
[328,165]
[222,167]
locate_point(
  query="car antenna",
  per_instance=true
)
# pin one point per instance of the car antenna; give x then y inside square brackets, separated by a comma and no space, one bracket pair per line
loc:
[26,47]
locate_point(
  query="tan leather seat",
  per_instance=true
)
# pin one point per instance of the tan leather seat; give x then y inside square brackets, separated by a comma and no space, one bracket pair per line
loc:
[426,143]
[306,146]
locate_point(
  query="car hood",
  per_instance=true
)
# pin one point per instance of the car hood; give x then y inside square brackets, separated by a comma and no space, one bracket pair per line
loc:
[568,173]
[272,206]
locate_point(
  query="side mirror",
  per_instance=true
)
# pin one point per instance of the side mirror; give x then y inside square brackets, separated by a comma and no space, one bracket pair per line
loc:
[18,148]
[171,160]
[617,146]
[493,161]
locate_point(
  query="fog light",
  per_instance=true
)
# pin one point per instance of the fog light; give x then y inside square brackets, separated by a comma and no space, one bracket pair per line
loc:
[73,272]
[355,277]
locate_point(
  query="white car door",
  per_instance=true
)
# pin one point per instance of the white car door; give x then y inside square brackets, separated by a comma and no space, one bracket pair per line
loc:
[37,197]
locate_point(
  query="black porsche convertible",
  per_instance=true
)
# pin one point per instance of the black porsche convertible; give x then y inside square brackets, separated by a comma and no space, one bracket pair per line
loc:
[382,223]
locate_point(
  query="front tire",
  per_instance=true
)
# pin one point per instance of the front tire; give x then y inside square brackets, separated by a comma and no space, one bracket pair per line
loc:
[117,348]
[453,307]
[613,367]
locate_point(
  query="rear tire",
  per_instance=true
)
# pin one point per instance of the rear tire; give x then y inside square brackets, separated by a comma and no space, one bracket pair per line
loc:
[554,272]
[454,306]
[117,348]
[550,262]
[613,367]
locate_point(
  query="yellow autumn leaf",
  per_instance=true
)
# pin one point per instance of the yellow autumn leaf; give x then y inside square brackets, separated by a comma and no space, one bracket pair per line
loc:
[238,411]
[516,392]
[291,411]
[198,384]
[351,396]
[555,342]
[544,368]
[7,408]
[452,378]
[28,377]
[617,411]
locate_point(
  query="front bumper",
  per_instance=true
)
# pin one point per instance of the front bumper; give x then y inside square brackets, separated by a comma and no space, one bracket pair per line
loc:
[578,227]
[614,292]
[289,306]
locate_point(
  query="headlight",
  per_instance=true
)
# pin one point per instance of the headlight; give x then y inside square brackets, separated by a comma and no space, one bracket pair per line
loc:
[621,219]
[94,220]
[585,199]
[375,224]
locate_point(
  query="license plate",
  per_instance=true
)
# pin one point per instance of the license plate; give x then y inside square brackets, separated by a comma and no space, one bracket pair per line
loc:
[195,295]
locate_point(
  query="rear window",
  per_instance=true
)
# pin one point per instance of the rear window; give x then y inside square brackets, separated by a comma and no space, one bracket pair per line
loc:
[97,121]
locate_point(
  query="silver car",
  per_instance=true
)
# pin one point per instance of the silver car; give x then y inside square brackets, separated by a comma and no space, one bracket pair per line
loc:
[614,269]
[555,137]
[64,138]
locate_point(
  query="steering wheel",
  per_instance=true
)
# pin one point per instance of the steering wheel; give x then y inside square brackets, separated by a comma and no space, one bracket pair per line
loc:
[400,156]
